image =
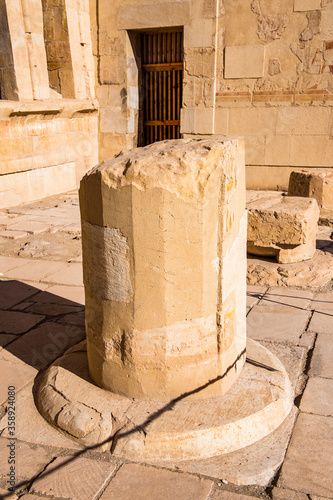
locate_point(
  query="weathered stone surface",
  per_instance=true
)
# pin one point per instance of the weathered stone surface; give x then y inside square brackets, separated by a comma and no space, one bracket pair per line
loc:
[315,183]
[283,494]
[144,482]
[322,357]
[254,294]
[321,322]
[275,323]
[228,495]
[244,61]
[30,460]
[17,322]
[290,297]
[45,343]
[317,397]
[74,478]
[308,465]
[281,226]
[315,273]
[150,430]
[13,372]
[256,464]
[38,431]
[159,245]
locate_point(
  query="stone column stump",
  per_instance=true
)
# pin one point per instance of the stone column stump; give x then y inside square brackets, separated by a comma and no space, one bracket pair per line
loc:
[164,259]
[164,265]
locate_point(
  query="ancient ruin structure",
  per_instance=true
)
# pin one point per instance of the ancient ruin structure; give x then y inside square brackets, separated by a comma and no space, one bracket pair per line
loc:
[260,69]
[164,259]
[164,227]
[281,226]
[315,183]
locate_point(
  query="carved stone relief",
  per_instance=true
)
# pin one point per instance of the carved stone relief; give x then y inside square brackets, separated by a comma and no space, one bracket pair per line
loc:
[313,27]
[270,27]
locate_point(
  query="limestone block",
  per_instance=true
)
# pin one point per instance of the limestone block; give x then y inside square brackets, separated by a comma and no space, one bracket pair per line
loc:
[200,33]
[163,230]
[315,183]
[244,61]
[152,15]
[280,226]
[305,5]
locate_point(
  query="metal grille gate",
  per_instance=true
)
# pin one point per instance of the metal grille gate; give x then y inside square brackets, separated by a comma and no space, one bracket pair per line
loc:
[162,68]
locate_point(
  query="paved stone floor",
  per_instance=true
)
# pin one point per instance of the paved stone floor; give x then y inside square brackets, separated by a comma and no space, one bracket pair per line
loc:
[42,315]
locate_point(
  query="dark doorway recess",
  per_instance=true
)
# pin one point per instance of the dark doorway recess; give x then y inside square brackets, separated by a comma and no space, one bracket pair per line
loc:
[162,77]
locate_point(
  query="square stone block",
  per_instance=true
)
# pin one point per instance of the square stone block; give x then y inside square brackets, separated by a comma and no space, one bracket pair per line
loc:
[244,61]
[281,226]
[305,5]
[315,183]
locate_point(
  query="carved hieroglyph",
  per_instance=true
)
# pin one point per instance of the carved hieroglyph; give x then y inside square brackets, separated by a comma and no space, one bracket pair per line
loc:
[164,237]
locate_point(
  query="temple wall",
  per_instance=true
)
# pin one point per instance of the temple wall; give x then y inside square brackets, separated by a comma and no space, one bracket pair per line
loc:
[48,114]
[257,68]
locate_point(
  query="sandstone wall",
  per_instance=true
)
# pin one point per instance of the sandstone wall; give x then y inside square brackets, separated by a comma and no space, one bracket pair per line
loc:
[47,143]
[45,148]
[256,68]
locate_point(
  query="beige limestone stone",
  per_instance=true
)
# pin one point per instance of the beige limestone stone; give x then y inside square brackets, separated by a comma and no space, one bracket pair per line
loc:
[144,482]
[151,15]
[316,273]
[314,183]
[308,466]
[74,477]
[322,357]
[244,61]
[316,398]
[305,5]
[281,226]
[159,293]
[148,430]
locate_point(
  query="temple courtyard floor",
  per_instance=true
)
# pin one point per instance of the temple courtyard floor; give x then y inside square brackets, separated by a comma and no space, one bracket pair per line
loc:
[42,316]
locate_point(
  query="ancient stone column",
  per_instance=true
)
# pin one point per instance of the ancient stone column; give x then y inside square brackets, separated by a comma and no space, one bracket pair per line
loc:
[164,260]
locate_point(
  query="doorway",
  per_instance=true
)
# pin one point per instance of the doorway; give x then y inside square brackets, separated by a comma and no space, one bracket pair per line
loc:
[162,78]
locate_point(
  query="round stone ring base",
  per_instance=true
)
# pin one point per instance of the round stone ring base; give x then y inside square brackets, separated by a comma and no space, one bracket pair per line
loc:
[181,429]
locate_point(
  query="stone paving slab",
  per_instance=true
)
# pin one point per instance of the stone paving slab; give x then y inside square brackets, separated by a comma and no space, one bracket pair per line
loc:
[6,338]
[289,297]
[4,493]
[283,494]
[31,227]
[71,275]
[13,292]
[143,483]
[13,372]
[8,263]
[276,323]
[75,478]
[323,302]
[12,234]
[45,343]
[31,426]
[36,270]
[254,294]
[317,397]
[322,357]
[308,466]
[30,460]
[229,495]
[74,294]
[16,322]
[50,309]
[321,322]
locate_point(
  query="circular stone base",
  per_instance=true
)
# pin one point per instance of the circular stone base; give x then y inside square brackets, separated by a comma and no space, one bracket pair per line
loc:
[181,429]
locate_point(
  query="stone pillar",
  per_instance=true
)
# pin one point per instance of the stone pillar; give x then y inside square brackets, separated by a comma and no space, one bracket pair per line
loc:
[164,261]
